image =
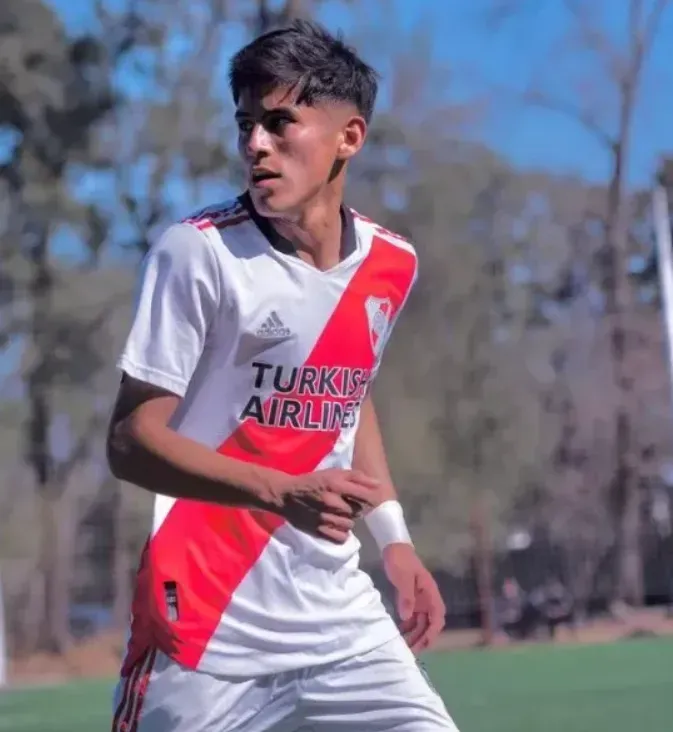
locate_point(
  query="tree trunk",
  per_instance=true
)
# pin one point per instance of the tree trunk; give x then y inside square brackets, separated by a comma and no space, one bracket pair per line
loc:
[53,633]
[58,523]
[620,304]
[121,563]
[484,569]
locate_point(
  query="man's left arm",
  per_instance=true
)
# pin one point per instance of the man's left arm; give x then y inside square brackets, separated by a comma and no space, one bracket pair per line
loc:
[420,606]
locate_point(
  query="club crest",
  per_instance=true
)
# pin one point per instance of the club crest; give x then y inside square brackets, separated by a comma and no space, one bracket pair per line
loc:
[379,313]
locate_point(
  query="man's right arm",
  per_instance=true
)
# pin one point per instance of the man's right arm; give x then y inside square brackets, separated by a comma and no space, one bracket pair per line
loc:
[144,450]
[179,301]
[179,297]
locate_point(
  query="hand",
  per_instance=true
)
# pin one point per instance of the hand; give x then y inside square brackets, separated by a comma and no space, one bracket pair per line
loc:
[328,502]
[419,604]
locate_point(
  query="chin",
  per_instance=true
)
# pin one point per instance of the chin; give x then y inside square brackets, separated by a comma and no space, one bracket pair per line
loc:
[269,204]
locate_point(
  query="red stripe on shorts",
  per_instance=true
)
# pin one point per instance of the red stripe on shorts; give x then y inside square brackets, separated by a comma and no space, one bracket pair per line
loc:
[128,712]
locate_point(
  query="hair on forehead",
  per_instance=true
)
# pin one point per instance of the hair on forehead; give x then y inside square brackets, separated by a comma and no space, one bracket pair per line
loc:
[308,60]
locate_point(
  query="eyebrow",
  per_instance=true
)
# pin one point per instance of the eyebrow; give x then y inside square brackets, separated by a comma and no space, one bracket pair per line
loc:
[242,114]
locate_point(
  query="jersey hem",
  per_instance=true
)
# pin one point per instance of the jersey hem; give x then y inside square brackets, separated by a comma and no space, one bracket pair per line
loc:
[363,640]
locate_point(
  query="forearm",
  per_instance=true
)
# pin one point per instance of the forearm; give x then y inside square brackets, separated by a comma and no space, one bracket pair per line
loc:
[370,455]
[158,459]
[386,520]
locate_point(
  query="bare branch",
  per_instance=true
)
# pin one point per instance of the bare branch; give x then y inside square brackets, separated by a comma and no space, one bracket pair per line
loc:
[594,39]
[581,116]
[652,25]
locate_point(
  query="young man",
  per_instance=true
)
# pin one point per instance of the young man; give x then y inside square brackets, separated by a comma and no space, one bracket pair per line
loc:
[245,407]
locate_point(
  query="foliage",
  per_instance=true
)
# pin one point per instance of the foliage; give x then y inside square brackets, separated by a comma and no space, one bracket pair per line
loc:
[503,389]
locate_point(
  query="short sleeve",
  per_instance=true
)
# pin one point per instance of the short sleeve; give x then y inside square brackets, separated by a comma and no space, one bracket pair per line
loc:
[178,297]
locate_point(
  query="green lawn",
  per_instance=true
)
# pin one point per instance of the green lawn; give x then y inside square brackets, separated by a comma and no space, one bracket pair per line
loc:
[624,687]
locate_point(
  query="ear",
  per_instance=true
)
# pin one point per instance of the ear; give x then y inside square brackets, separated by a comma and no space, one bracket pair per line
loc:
[353,136]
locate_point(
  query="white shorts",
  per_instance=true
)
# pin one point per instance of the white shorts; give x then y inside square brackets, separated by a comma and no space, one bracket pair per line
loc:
[379,691]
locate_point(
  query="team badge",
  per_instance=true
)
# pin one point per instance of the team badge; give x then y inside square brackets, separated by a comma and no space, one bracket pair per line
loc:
[379,313]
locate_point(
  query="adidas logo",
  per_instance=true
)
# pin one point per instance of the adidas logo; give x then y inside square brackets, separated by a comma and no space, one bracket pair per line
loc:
[273,327]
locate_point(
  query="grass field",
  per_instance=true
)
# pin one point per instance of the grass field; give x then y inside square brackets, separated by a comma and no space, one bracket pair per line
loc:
[624,687]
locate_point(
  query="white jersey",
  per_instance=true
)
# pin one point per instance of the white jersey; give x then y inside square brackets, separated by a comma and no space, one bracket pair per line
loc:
[273,358]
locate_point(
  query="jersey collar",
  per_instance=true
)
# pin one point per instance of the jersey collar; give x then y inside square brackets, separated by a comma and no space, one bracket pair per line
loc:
[285,246]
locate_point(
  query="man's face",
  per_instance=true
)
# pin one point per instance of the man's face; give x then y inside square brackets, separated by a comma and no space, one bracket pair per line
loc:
[291,152]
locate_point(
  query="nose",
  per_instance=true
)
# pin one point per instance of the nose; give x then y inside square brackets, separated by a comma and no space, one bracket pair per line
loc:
[259,141]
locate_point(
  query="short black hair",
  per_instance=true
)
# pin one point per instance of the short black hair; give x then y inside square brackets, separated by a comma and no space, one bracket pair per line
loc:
[309,59]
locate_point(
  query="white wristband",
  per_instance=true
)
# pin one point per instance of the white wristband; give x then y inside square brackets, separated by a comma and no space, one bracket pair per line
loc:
[387,526]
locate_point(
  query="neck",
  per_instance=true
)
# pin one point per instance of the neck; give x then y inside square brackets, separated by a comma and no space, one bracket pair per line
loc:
[315,231]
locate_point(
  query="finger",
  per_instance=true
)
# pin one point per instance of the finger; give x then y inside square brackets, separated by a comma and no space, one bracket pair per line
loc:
[337,505]
[363,497]
[416,636]
[416,629]
[435,622]
[357,504]
[358,484]
[433,602]
[407,627]
[336,536]
[422,646]
[438,618]
[366,481]
[357,507]
[406,601]
[336,521]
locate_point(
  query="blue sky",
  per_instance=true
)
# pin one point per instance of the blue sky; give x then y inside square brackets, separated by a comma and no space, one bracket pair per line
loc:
[523,53]
[481,59]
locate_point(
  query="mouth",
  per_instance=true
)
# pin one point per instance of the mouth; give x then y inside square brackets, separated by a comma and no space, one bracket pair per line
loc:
[261,177]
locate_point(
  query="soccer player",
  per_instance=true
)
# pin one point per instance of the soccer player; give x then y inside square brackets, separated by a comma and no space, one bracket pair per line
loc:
[245,407]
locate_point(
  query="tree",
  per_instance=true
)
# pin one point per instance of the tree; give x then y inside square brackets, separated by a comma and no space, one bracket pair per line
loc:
[457,382]
[54,92]
[265,17]
[619,62]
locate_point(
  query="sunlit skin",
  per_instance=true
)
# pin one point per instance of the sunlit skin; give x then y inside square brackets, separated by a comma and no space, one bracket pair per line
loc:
[306,149]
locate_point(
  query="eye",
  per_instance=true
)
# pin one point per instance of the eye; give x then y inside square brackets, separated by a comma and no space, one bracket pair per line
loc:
[277,124]
[245,126]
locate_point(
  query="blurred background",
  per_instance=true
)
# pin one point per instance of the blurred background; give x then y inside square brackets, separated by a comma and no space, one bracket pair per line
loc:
[526,398]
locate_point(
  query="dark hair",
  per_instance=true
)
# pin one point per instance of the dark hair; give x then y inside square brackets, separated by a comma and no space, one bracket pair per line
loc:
[309,59]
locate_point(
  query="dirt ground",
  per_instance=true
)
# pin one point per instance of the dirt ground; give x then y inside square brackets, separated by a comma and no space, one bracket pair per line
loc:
[100,657]
[601,630]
